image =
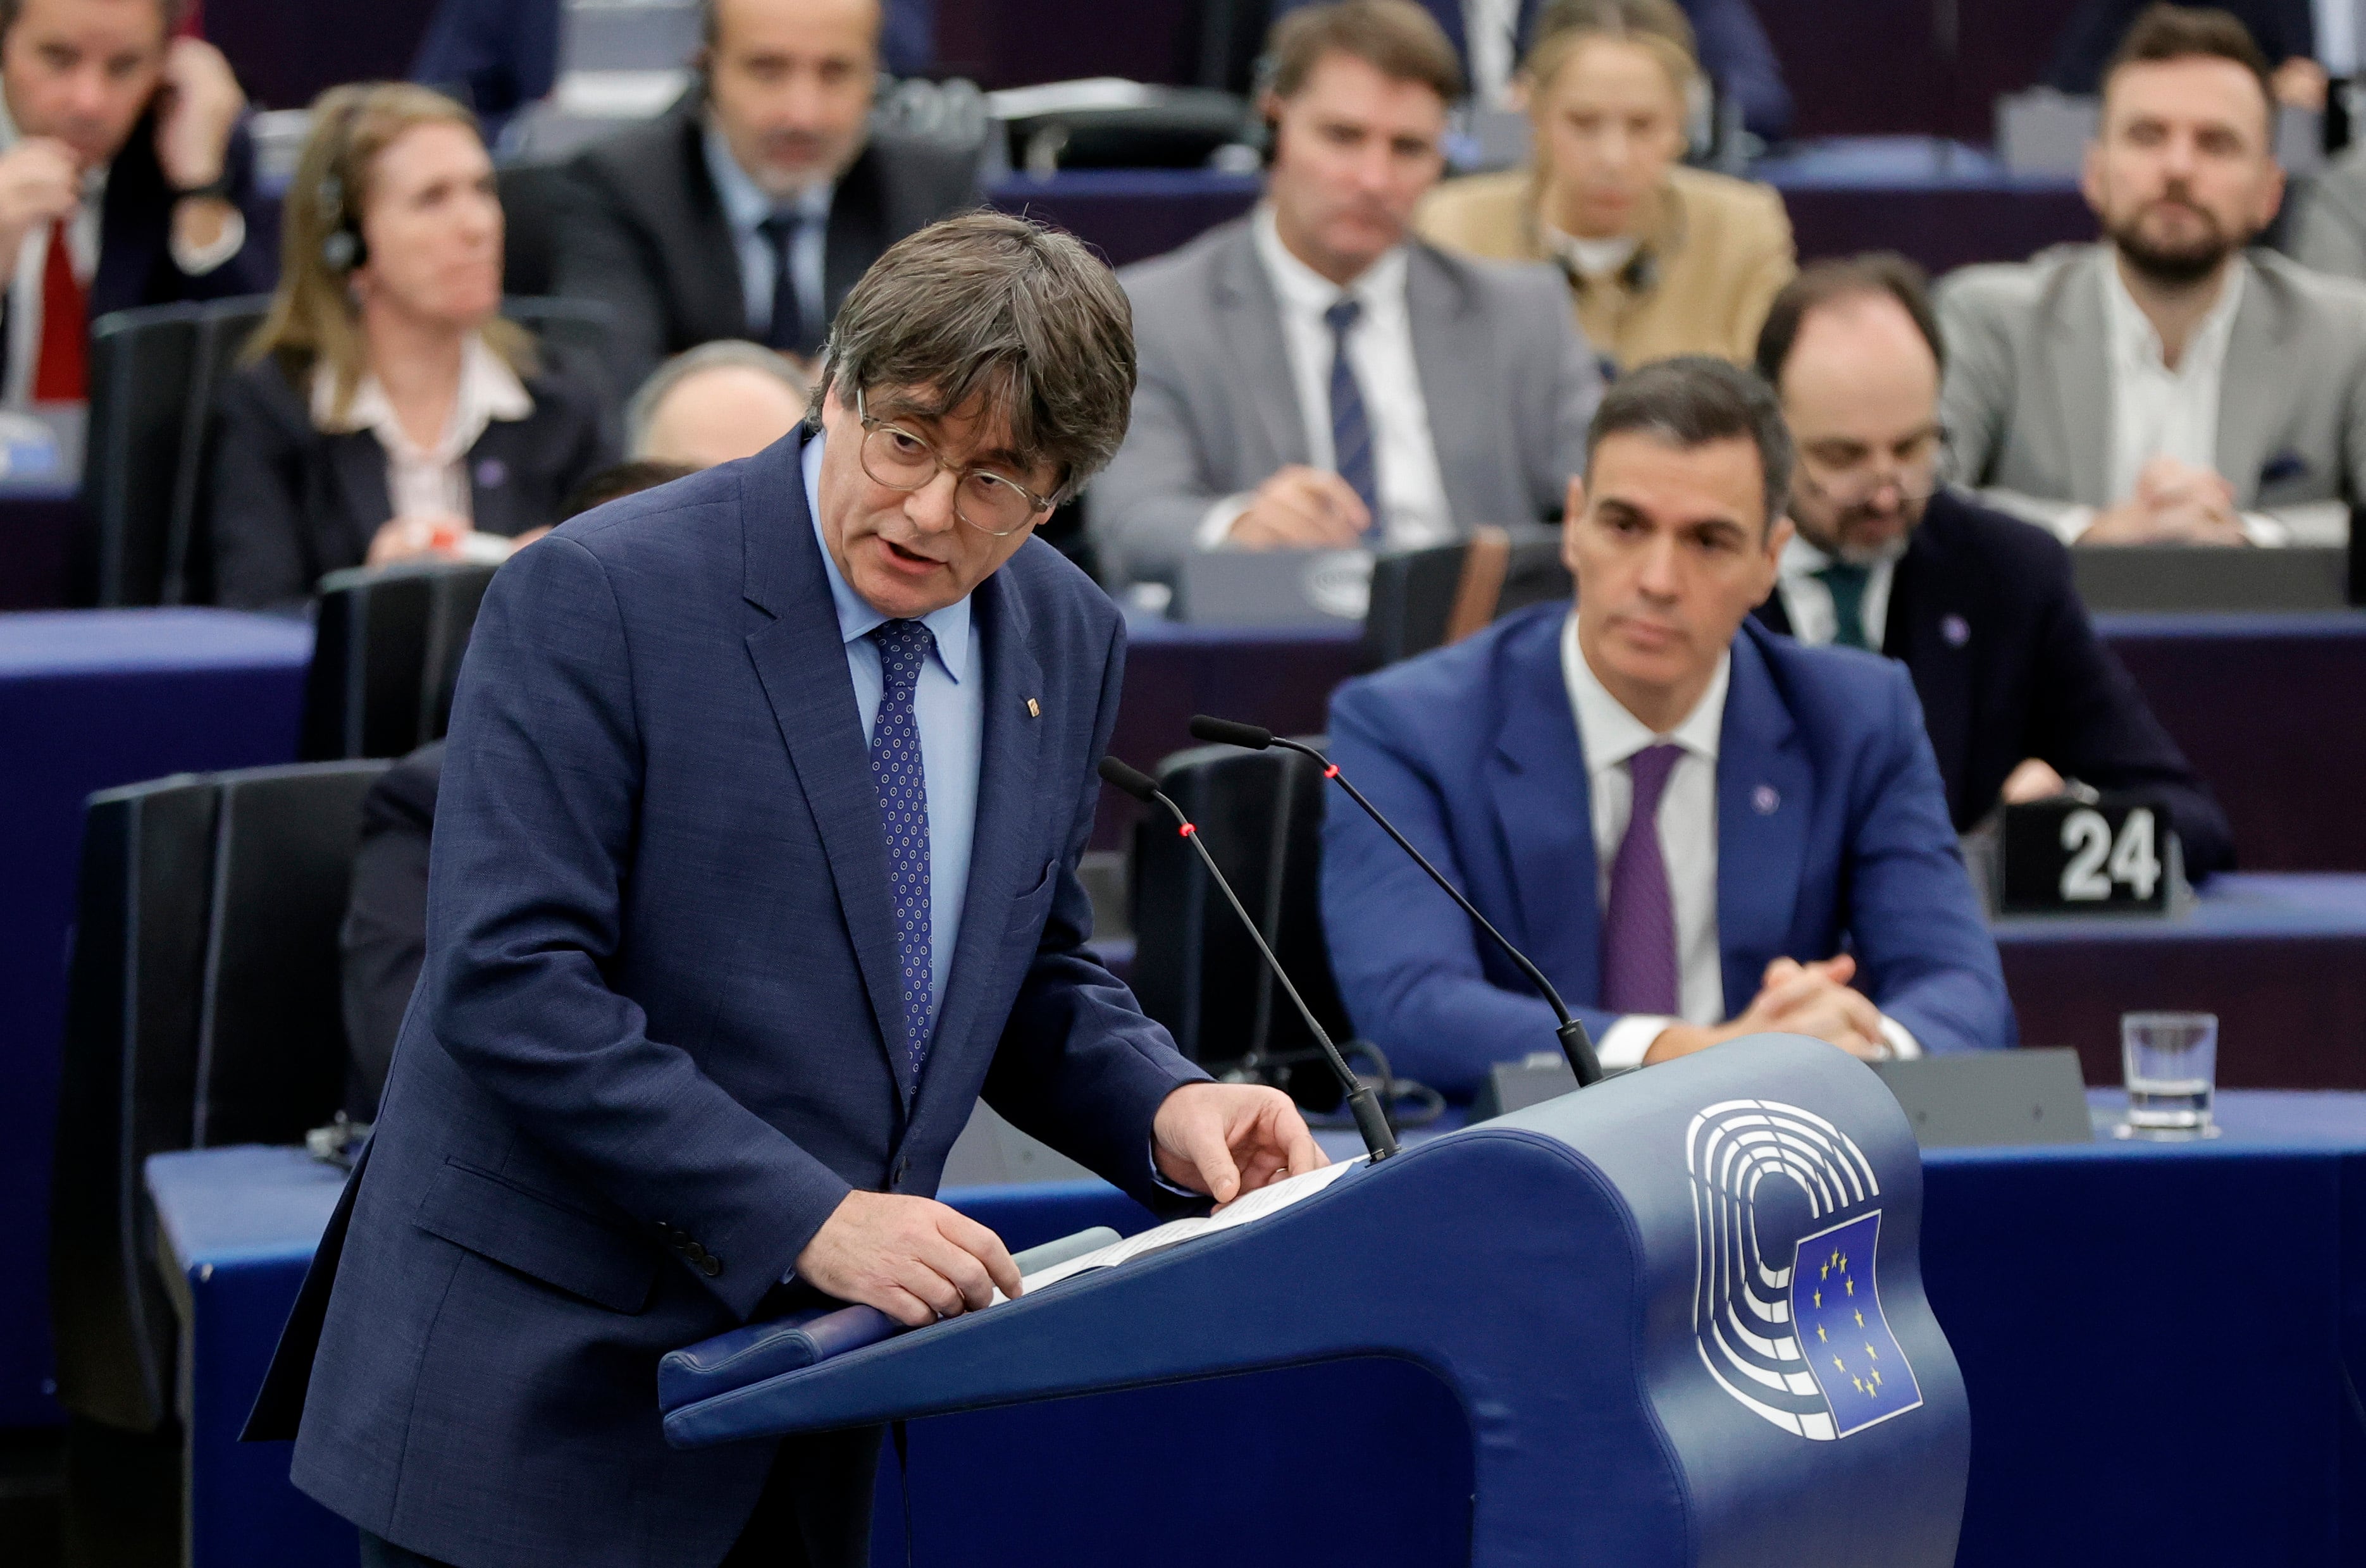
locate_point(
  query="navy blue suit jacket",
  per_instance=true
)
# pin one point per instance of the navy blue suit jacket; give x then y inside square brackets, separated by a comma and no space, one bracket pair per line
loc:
[649,1051]
[1831,827]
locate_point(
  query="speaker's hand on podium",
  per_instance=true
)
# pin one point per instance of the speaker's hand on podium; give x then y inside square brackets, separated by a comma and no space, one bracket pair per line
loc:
[1225,1139]
[913,1259]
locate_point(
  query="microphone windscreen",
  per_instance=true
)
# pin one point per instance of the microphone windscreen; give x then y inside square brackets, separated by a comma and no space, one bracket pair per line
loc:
[1226,732]
[1133,781]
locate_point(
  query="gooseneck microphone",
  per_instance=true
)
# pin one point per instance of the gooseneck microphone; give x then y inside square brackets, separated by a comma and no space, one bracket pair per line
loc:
[1574,1042]
[1361,1101]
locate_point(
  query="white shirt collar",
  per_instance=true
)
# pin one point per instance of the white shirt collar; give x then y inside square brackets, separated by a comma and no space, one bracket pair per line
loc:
[857,616]
[490,389]
[2136,345]
[1804,557]
[744,203]
[1610,734]
[1302,290]
[1590,258]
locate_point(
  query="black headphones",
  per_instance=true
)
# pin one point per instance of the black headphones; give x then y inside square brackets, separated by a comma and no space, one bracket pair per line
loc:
[342,249]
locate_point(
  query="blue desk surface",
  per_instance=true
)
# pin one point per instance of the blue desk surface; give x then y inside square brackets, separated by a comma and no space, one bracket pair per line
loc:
[1944,204]
[90,700]
[1896,163]
[2110,1302]
[2257,906]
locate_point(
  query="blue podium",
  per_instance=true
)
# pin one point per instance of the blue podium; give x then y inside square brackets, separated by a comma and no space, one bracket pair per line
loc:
[1682,1312]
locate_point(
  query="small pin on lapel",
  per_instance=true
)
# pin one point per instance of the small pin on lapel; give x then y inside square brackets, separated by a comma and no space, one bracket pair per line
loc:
[1034,708]
[1765,801]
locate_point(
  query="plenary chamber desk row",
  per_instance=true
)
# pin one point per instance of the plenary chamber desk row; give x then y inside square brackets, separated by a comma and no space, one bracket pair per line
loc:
[2160,1344]
[95,700]
[2269,708]
[1946,204]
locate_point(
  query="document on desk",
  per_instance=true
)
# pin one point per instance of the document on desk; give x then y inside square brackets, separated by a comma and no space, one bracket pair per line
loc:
[1257,1205]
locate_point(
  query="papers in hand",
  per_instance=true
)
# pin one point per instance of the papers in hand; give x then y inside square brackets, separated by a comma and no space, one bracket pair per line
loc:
[1265,1200]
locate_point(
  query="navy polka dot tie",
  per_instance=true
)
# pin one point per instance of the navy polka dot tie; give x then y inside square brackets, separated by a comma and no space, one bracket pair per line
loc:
[904,647]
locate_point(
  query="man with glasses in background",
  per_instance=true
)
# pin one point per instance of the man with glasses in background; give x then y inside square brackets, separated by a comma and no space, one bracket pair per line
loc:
[2018,694]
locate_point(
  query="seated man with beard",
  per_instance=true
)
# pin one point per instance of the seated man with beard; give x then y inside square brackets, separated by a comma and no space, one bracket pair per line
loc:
[2165,385]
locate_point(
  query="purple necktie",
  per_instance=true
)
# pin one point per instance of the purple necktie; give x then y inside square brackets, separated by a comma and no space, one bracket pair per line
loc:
[1639,929]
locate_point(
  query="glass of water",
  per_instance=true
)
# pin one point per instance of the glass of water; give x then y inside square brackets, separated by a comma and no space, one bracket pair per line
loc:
[2171,1063]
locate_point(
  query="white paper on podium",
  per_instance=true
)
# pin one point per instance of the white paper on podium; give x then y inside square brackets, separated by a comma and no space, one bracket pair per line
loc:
[1265,1200]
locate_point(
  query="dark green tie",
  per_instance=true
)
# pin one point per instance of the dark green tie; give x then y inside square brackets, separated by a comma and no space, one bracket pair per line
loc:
[1847,583]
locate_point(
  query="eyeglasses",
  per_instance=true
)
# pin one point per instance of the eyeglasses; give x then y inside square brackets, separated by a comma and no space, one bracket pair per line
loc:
[896,457]
[1914,474]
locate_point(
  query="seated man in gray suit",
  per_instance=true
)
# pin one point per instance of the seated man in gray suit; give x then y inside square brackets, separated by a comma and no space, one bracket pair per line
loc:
[1315,378]
[748,209]
[2166,386]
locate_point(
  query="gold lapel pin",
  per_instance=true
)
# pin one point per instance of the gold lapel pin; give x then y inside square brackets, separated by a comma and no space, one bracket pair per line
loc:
[1034,708]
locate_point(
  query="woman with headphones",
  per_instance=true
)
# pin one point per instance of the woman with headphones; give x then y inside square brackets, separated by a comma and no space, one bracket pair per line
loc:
[386,412]
[1661,259]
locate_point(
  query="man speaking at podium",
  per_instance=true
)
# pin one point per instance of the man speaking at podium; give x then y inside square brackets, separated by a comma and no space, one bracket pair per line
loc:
[754,865]
[1698,828]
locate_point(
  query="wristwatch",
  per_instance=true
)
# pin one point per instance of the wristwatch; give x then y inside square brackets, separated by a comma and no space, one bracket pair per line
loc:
[215,190]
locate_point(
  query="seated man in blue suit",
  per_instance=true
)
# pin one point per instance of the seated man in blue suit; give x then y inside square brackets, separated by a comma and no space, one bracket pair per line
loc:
[1698,830]
[755,864]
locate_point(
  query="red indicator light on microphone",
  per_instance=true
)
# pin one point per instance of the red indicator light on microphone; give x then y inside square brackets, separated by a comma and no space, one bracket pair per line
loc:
[1186,830]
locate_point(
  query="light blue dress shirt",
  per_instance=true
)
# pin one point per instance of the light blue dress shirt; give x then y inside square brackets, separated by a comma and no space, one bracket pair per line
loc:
[745,206]
[949,705]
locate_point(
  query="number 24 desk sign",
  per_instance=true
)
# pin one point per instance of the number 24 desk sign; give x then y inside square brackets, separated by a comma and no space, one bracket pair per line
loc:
[2114,854]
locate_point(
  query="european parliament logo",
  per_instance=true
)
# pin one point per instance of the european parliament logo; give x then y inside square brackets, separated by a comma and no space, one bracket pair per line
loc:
[1786,1315]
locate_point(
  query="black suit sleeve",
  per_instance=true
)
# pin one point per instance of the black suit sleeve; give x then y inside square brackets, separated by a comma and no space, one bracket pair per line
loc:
[385,934]
[601,258]
[254,498]
[2089,721]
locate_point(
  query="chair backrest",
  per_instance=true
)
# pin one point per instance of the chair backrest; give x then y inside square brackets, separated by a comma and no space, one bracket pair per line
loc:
[1195,970]
[573,335]
[154,374]
[1429,598]
[386,656]
[532,196]
[202,1008]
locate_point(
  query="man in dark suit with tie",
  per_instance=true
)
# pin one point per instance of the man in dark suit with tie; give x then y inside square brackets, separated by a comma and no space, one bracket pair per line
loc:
[1697,829]
[750,207]
[755,863]
[124,158]
[2017,690]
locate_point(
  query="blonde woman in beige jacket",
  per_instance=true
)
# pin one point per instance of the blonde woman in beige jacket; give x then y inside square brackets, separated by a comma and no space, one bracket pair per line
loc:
[1661,259]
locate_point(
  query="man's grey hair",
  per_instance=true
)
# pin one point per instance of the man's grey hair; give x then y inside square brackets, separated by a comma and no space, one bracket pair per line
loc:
[725,354]
[988,306]
[1691,400]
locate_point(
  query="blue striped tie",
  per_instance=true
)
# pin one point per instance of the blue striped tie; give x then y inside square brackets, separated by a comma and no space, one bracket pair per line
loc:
[896,766]
[1351,430]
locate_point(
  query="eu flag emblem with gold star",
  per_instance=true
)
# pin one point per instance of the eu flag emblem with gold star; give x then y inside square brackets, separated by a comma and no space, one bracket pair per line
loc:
[1847,1342]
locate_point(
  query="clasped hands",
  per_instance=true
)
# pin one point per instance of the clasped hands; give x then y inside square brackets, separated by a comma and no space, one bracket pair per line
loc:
[2173,504]
[1302,508]
[1814,1000]
[918,1260]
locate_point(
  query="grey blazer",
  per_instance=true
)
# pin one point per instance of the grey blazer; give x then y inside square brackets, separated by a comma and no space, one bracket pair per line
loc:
[2329,233]
[2027,402]
[1509,382]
